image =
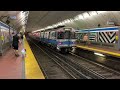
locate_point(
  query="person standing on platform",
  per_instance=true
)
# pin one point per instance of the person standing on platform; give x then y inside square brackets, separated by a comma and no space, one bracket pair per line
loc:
[11,40]
[21,36]
[15,44]
[85,39]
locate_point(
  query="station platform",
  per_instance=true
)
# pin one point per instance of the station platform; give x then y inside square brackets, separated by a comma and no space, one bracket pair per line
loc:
[12,67]
[103,50]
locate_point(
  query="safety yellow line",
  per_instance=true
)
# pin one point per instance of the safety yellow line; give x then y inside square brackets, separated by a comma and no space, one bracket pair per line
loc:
[32,69]
[106,52]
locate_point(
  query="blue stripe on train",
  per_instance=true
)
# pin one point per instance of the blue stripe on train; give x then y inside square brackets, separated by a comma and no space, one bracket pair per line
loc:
[67,42]
[52,41]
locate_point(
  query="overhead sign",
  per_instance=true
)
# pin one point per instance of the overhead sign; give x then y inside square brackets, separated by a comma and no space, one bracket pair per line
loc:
[12,17]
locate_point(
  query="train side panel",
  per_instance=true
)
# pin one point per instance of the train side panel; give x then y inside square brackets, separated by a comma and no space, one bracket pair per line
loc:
[52,39]
[55,39]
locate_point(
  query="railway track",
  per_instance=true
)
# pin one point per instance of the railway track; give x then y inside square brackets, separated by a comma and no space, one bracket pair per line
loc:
[86,68]
[105,72]
[71,71]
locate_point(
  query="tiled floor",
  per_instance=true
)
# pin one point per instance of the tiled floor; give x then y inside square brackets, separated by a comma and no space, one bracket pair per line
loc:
[11,66]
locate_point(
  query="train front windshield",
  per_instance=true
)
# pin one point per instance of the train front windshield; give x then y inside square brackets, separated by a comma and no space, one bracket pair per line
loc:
[66,35]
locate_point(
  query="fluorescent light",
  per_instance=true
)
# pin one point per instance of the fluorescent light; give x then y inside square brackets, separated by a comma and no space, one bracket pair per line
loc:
[76,18]
[54,25]
[68,21]
[13,17]
[92,13]
[99,54]
[60,23]
[48,27]
[71,20]
[101,12]
[80,16]
[85,15]
[42,29]
[63,22]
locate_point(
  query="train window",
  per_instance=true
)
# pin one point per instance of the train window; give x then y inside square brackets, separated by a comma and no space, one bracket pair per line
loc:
[42,34]
[73,36]
[47,35]
[52,35]
[77,35]
[67,35]
[60,35]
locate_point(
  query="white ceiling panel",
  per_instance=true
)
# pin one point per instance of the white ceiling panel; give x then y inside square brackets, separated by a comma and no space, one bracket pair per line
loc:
[41,19]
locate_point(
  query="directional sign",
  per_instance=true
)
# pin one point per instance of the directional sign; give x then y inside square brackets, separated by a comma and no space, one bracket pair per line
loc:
[12,17]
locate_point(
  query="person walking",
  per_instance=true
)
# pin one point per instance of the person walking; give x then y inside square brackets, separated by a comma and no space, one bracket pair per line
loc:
[21,37]
[15,44]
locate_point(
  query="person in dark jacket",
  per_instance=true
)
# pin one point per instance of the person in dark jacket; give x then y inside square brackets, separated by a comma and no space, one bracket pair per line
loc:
[15,44]
[21,37]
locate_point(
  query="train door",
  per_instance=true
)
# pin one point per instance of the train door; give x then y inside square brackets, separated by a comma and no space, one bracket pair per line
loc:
[68,32]
[72,38]
[49,38]
[67,38]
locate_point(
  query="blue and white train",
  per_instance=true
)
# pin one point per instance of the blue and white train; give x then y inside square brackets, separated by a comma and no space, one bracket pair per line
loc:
[63,39]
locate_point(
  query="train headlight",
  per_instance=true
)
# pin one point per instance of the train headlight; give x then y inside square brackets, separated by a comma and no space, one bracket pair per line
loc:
[59,43]
[58,48]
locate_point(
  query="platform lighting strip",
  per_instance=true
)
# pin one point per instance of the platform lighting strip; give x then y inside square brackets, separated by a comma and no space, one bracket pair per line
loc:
[99,54]
[24,16]
[78,17]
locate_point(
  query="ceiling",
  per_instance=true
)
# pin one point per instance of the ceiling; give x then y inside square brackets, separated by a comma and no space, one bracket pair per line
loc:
[16,22]
[41,19]
[36,19]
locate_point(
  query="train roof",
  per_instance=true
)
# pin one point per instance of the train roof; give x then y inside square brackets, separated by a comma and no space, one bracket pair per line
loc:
[59,27]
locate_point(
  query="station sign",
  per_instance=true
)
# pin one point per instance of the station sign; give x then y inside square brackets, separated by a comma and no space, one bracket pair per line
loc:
[13,17]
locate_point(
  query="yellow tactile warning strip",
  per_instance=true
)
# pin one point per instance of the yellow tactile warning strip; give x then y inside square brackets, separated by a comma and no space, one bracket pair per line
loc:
[97,50]
[32,70]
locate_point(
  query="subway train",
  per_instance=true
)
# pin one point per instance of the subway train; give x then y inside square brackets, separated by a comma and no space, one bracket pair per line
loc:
[5,33]
[62,39]
[108,37]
